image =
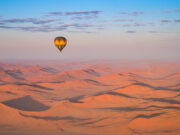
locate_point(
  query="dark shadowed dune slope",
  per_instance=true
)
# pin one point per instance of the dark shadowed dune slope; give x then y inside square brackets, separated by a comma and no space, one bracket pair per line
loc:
[26,103]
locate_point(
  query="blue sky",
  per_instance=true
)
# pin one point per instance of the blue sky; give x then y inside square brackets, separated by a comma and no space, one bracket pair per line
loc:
[95,29]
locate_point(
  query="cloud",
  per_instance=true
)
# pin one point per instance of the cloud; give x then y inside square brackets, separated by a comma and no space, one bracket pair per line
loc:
[168,21]
[1,21]
[77,15]
[123,20]
[167,11]
[49,28]
[76,25]
[135,13]
[54,13]
[177,10]
[165,21]
[151,23]
[47,24]
[171,11]
[138,24]
[127,25]
[161,32]
[177,20]
[88,32]
[28,28]
[29,20]
[131,31]
[84,17]
[133,25]
[152,31]
[91,12]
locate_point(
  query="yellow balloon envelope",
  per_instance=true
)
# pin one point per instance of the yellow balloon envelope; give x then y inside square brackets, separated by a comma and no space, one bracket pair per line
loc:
[60,42]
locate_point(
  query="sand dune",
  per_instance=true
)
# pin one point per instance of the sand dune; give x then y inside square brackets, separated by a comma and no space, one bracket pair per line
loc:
[92,98]
[26,103]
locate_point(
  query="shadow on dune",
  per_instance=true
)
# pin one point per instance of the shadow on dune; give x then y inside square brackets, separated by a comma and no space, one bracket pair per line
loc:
[94,82]
[34,85]
[119,94]
[164,107]
[126,109]
[176,85]
[76,99]
[91,122]
[148,116]
[26,103]
[16,74]
[170,101]
[31,85]
[106,92]
[6,127]
[156,88]
[49,70]
[130,109]
[177,95]
[90,71]
[158,132]
[54,118]
[8,92]
[148,78]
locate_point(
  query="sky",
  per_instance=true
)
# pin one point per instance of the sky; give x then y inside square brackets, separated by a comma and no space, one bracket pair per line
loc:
[94,29]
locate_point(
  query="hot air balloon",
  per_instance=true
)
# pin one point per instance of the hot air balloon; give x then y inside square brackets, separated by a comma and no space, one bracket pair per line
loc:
[60,42]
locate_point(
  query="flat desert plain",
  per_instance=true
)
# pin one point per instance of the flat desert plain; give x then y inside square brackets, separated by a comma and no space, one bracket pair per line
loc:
[89,98]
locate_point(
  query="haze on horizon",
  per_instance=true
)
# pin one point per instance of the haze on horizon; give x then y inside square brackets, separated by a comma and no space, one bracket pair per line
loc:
[108,29]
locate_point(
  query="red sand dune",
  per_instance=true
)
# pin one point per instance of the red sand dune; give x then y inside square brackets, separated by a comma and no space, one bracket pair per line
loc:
[95,98]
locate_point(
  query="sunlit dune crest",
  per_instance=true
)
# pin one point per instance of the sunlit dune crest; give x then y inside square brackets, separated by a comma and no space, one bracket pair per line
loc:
[95,98]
